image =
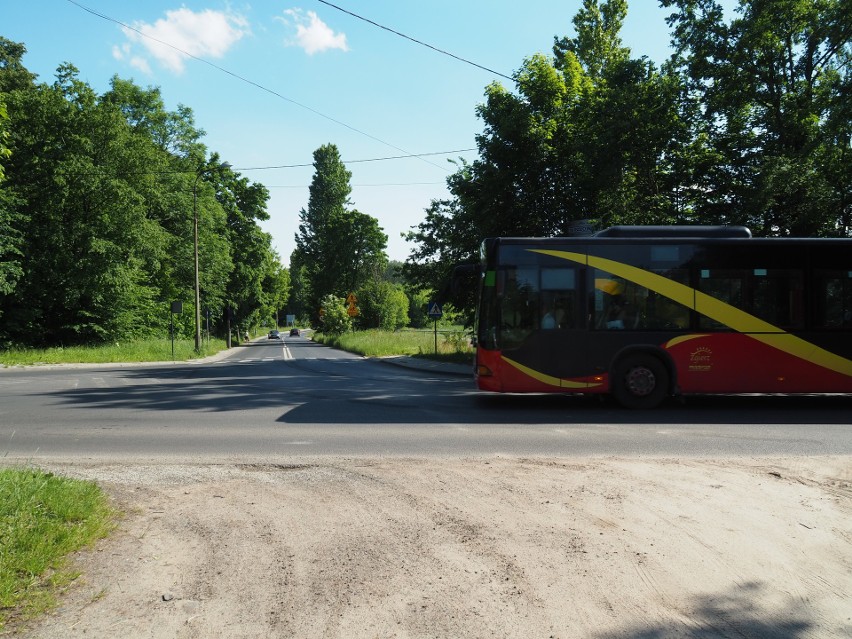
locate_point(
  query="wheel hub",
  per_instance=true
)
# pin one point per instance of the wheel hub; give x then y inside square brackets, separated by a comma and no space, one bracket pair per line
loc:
[641,381]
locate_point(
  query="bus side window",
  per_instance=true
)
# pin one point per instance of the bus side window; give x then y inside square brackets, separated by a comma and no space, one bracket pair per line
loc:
[834,299]
[776,296]
[773,295]
[558,310]
[519,306]
[726,286]
[558,290]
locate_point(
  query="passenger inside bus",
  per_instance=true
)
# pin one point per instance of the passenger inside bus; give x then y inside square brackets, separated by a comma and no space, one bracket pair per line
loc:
[557,313]
[615,313]
[548,320]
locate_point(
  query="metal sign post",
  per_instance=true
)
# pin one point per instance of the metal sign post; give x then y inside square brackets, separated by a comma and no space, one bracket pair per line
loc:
[434,311]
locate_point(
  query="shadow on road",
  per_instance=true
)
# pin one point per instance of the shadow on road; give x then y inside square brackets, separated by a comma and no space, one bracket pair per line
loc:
[354,390]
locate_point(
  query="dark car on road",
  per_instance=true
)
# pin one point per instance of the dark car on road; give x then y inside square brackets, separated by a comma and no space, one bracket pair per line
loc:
[294,332]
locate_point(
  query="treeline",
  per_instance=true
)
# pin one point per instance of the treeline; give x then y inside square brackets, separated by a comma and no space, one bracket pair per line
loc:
[749,122]
[99,196]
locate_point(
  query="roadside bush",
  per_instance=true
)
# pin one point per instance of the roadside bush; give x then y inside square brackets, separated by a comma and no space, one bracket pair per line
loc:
[334,320]
[382,305]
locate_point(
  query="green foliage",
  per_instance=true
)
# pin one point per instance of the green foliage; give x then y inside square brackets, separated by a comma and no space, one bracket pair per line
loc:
[278,286]
[97,216]
[749,123]
[14,76]
[141,350]
[334,320]
[10,237]
[453,345]
[597,45]
[382,305]
[43,518]
[586,134]
[418,306]
[337,248]
[5,152]
[770,101]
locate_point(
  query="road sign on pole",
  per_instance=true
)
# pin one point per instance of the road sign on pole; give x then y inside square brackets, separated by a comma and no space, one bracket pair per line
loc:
[434,312]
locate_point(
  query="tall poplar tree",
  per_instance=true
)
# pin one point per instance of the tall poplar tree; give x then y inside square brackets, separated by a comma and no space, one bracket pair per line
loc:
[336,247]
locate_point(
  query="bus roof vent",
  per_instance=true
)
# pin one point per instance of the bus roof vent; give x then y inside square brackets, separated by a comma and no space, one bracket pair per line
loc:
[674,231]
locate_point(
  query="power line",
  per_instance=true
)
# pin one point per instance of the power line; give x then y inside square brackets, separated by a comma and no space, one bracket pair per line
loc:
[429,46]
[392,157]
[246,80]
[354,186]
[303,165]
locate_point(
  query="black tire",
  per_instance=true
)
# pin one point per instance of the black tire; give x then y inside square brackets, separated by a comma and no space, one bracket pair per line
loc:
[639,381]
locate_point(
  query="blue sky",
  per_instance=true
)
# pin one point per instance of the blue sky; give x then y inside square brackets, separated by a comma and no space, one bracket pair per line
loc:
[296,74]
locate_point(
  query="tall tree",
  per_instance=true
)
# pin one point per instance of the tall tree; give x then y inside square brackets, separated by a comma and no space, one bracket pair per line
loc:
[587,134]
[249,284]
[84,229]
[145,112]
[775,85]
[14,76]
[318,239]
[597,44]
[336,247]
[97,214]
[10,236]
[366,250]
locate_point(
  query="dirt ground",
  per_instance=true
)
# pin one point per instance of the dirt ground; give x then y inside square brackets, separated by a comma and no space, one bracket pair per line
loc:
[489,547]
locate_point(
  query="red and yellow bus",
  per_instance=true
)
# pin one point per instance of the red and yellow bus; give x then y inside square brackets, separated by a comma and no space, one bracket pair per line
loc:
[644,313]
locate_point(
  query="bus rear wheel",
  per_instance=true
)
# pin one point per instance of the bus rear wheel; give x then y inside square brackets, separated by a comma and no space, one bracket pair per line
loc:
[639,381]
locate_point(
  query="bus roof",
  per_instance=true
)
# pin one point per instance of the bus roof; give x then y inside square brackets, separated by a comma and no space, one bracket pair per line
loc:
[678,231]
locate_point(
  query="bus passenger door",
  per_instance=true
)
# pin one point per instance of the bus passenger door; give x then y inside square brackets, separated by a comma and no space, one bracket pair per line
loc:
[562,342]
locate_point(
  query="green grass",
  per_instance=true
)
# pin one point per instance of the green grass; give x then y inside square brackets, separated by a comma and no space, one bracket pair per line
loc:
[43,518]
[150,350]
[453,345]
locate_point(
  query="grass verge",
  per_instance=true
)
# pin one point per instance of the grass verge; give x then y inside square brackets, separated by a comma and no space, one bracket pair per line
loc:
[43,518]
[453,345]
[149,350]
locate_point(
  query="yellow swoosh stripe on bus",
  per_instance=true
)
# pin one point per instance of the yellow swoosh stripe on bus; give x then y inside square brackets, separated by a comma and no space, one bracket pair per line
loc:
[548,379]
[715,309]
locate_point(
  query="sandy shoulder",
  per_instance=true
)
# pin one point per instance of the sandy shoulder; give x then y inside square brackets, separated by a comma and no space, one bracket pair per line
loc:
[498,547]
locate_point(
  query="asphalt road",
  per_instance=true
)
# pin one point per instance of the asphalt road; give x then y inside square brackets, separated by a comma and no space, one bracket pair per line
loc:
[280,399]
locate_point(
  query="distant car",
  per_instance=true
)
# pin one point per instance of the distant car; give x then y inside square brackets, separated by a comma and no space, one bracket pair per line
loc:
[294,332]
[274,335]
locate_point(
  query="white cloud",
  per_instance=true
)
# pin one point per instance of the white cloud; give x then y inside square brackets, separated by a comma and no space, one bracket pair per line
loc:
[206,34]
[124,52]
[312,34]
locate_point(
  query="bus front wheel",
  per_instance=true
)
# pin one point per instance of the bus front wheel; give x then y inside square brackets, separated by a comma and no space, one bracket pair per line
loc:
[639,381]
